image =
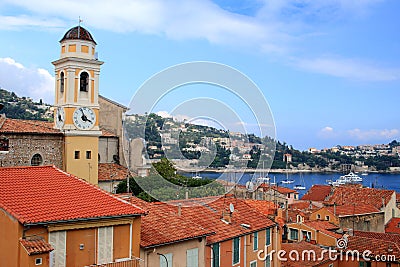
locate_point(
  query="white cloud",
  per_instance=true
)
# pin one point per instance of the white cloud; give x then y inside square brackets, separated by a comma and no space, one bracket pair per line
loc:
[366,135]
[276,27]
[36,83]
[327,132]
[348,68]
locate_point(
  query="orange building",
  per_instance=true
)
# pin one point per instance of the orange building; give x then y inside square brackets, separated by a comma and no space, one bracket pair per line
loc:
[52,218]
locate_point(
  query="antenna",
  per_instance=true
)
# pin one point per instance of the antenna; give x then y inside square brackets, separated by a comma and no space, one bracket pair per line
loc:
[231,208]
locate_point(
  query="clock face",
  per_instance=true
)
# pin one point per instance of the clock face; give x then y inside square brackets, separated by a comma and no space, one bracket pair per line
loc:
[60,117]
[84,118]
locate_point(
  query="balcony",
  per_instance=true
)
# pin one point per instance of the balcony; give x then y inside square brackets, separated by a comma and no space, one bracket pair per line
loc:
[135,262]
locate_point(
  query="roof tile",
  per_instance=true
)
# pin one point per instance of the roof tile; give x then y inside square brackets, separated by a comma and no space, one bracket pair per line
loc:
[47,194]
[112,171]
[393,226]
[318,193]
[28,127]
[36,246]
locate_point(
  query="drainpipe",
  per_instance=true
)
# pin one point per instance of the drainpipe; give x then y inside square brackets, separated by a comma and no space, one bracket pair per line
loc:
[244,252]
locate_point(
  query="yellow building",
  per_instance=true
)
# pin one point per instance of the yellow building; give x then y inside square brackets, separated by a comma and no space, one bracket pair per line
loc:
[77,103]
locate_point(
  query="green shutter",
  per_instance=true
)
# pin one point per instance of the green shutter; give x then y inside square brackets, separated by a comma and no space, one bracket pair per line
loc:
[215,251]
[236,252]
[255,241]
[268,236]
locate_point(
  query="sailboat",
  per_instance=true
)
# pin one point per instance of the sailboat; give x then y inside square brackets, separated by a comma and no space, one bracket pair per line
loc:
[287,181]
[197,176]
[301,186]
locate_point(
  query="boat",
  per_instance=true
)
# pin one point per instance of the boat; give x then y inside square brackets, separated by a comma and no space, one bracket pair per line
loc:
[350,178]
[287,181]
[364,174]
[197,176]
[301,186]
[273,183]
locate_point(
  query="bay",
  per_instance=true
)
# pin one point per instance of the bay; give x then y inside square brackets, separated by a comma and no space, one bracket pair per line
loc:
[377,180]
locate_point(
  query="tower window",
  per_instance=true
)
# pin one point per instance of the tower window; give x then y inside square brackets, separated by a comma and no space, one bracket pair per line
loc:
[88,154]
[4,144]
[36,160]
[77,154]
[62,82]
[84,82]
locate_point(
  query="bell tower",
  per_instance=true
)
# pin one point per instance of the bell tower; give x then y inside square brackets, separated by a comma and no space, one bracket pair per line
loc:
[76,102]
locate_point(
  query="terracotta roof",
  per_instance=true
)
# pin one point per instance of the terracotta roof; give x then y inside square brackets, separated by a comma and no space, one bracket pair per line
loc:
[47,194]
[375,246]
[107,133]
[290,215]
[280,189]
[346,210]
[383,236]
[304,261]
[317,193]
[263,206]
[209,212]
[324,227]
[28,127]
[162,226]
[393,226]
[398,197]
[112,171]
[355,194]
[303,205]
[36,246]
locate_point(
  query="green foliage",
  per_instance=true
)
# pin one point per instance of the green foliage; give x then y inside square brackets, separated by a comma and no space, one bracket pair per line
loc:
[22,108]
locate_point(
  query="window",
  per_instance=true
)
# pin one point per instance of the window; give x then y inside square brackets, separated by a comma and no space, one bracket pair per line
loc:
[166,259]
[327,217]
[36,160]
[62,82]
[330,265]
[364,264]
[88,154]
[294,234]
[215,255]
[105,237]
[268,236]
[268,261]
[306,235]
[84,82]
[38,261]
[4,143]
[236,250]
[318,216]
[255,241]
[77,154]
[299,218]
[253,264]
[192,257]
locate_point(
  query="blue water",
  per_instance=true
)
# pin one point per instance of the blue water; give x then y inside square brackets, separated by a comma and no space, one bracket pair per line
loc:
[377,180]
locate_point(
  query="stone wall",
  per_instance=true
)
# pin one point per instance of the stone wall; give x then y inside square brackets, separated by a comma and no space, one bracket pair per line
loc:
[373,222]
[22,147]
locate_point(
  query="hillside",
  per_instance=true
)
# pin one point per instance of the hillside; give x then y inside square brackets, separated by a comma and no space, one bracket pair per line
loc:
[24,107]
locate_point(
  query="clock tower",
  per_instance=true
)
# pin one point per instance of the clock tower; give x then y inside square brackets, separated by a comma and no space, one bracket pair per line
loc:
[76,102]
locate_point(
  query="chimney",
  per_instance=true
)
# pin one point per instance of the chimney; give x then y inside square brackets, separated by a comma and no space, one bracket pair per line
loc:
[227,217]
[383,203]
[334,209]
[179,209]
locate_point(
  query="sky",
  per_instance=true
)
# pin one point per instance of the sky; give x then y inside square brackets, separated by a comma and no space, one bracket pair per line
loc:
[328,69]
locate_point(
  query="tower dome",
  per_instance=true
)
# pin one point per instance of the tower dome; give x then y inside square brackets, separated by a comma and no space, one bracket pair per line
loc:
[78,33]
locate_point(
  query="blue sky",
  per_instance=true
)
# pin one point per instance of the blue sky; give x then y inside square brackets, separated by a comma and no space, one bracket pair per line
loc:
[329,69]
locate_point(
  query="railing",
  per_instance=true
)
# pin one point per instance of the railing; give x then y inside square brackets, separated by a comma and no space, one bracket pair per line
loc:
[126,263]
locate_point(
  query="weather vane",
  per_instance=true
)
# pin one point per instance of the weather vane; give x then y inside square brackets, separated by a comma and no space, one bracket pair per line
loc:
[79,25]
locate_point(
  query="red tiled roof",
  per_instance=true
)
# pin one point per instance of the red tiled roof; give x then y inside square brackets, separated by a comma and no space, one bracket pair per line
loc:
[374,245]
[36,246]
[317,193]
[28,127]
[263,206]
[324,227]
[112,171]
[107,133]
[398,197]
[393,226]
[345,210]
[208,213]
[280,189]
[162,226]
[47,194]
[355,194]
[395,238]
[304,261]
[303,205]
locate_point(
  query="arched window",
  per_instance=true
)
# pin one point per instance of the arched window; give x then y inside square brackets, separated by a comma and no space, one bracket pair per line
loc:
[84,82]
[36,160]
[62,82]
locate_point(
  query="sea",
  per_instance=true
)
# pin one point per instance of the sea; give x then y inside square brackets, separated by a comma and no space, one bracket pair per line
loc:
[375,180]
